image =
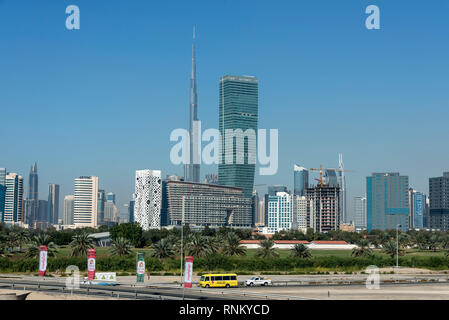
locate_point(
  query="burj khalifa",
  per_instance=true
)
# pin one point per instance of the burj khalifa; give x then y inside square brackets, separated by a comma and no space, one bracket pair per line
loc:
[192,168]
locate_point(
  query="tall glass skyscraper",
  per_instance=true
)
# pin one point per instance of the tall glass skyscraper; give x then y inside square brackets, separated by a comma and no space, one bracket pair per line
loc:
[387,201]
[300,180]
[53,203]
[13,199]
[2,191]
[238,117]
[33,196]
[2,176]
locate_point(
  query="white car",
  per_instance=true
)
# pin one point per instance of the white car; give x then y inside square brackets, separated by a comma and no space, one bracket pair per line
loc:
[258,281]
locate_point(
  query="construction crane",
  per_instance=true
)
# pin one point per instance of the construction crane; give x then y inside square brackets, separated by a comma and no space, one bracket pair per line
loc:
[321,170]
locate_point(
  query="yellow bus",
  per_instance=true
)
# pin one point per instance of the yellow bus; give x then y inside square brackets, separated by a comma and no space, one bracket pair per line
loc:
[219,280]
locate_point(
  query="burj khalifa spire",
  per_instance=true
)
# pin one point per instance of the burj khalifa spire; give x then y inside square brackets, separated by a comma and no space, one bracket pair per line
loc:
[192,168]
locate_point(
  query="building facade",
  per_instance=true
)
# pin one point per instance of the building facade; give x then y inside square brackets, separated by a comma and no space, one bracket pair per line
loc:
[299,213]
[53,203]
[199,205]
[360,213]
[192,169]
[387,201]
[238,118]
[13,213]
[279,212]
[33,196]
[68,209]
[323,208]
[85,208]
[439,202]
[148,197]
[300,180]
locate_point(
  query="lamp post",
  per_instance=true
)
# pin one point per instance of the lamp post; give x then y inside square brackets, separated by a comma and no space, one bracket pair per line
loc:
[182,243]
[397,251]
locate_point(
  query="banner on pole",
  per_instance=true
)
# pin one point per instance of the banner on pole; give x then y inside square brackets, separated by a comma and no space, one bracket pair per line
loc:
[91,264]
[43,260]
[188,272]
[140,267]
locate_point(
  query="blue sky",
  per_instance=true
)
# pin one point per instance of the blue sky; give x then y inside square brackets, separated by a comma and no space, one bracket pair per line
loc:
[103,100]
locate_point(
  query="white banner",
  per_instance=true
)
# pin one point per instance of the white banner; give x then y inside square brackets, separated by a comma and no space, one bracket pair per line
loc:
[43,261]
[106,276]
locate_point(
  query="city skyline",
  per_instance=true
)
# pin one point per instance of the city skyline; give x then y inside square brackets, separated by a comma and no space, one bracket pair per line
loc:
[317,78]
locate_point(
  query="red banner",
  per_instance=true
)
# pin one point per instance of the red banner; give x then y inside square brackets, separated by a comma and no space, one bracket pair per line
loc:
[43,260]
[188,272]
[91,264]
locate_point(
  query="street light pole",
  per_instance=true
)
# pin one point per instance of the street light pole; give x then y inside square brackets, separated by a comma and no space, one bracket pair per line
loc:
[397,251]
[182,242]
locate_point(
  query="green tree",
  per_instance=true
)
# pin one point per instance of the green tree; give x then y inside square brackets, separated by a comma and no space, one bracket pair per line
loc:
[121,247]
[38,241]
[130,231]
[300,251]
[20,236]
[390,248]
[362,249]
[162,249]
[196,245]
[81,243]
[231,245]
[266,249]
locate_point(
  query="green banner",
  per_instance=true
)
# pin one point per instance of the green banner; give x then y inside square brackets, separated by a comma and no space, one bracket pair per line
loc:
[140,267]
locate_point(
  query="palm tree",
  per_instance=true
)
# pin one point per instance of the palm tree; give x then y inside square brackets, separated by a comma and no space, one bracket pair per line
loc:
[121,247]
[213,244]
[300,251]
[196,245]
[390,248]
[162,249]
[231,245]
[362,249]
[433,242]
[266,249]
[38,241]
[81,243]
[4,252]
[20,237]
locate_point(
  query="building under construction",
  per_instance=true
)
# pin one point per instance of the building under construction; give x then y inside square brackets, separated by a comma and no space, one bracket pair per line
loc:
[323,207]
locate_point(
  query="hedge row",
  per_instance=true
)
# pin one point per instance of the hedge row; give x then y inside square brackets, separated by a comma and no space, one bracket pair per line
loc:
[225,263]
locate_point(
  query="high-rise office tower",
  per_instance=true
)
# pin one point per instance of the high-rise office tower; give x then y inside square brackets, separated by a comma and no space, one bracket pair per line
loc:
[68,209]
[238,118]
[342,183]
[33,196]
[148,197]
[300,180]
[387,201]
[100,206]
[417,209]
[85,206]
[299,213]
[279,213]
[439,202]
[41,220]
[192,169]
[110,212]
[53,203]
[2,176]
[272,190]
[360,213]
[330,178]
[110,197]
[13,213]
[131,211]
[2,191]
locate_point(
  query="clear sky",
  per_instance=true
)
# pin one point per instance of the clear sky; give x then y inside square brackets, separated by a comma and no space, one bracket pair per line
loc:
[103,100]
